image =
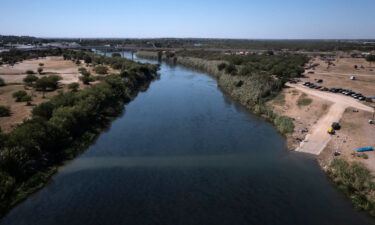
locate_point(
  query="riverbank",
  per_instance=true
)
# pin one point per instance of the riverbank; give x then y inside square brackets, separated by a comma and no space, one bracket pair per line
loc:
[63,127]
[307,110]
[247,90]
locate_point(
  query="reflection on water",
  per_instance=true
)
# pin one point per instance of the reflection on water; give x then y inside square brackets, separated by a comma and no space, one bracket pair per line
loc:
[183,153]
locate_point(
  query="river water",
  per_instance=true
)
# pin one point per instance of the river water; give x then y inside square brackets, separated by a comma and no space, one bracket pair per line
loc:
[184,153]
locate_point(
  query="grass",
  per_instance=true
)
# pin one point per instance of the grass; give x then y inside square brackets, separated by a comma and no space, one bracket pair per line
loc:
[279,99]
[355,181]
[303,100]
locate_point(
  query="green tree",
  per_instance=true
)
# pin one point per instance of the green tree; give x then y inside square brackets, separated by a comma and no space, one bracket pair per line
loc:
[4,111]
[30,79]
[19,95]
[221,66]
[116,54]
[30,72]
[40,70]
[231,69]
[45,83]
[87,59]
[101,70]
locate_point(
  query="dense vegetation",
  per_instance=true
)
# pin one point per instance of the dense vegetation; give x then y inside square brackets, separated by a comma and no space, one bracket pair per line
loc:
[13,56]
[63,126]
[355,181]
[284,66]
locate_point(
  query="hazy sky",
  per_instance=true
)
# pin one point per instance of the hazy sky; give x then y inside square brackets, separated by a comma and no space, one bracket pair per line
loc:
[271,19]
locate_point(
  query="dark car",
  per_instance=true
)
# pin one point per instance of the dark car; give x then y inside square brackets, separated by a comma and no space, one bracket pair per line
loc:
[336,126]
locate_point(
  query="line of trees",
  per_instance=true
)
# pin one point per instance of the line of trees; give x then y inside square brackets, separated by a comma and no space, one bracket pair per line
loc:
[13,56]
[62,127]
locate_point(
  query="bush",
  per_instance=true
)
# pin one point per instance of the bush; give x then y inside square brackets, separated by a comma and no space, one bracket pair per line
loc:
[30,72]
[2,82]
[101,70]
[19,96]
[4,111]
[221,66]
[355,181]
[231,69]
[284,124]
[73,86]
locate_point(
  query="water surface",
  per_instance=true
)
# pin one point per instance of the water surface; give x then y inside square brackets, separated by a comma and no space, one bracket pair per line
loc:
[183,153]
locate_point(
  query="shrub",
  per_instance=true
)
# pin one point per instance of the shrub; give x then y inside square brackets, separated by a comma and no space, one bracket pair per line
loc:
[86,79]
[73,86]
[30,72]
[221,66]
[284,124]
[116,54]
[2,82]
[4,111]
[101,70]
[355,181]
[231,69]
[19,95]
[41,64]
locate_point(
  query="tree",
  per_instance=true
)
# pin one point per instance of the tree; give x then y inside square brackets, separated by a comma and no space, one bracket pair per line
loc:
[101,70]
[27,99]
[221,66]
[73,86]
[2,82]
[41,64]
[30,79]
[87,59]
[231,69]
[44,83]
[30,72]
[4,111]
[20,96]
[40,70]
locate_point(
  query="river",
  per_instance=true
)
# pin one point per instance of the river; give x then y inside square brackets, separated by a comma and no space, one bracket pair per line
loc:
[184,153]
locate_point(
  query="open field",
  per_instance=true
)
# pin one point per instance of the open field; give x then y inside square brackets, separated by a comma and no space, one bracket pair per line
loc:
[52,65]
[14,75]
[338,76]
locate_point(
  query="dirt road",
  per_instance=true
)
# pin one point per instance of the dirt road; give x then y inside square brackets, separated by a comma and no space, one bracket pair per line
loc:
[318,138]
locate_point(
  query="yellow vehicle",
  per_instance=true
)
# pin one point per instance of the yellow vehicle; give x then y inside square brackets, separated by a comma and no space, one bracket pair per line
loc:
[331,130]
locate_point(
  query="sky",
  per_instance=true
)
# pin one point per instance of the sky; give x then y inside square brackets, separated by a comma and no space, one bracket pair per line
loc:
[245,19]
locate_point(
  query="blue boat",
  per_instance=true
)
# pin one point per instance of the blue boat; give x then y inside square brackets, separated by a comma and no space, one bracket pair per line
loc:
[367,149]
